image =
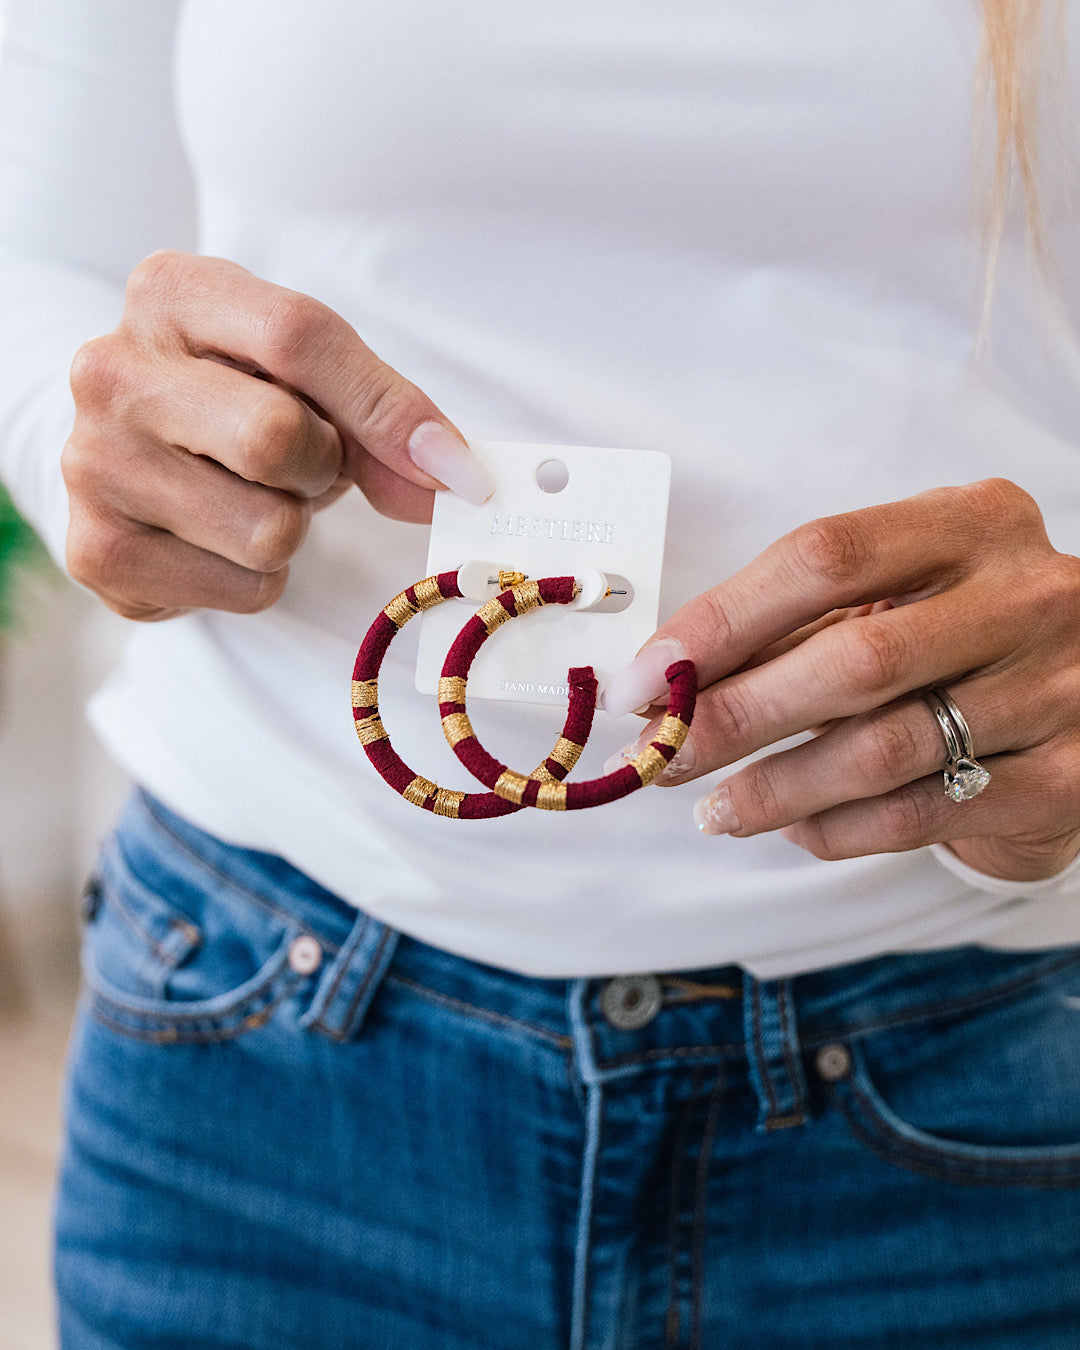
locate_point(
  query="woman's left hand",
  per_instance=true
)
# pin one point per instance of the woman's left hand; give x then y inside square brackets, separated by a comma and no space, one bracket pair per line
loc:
[836,628]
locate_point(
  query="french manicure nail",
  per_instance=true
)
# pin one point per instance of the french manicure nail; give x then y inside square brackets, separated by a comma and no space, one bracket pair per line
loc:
[619,760]
[630,752]
[436,450]
[681,764]
[642,681]
[676,768]
[715,814]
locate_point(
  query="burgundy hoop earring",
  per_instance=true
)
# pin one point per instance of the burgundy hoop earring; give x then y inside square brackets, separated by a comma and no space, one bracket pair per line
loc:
[551,796]
[373,736]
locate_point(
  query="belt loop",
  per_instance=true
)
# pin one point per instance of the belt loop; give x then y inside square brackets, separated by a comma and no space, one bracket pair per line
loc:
[351,980]
[772,1047]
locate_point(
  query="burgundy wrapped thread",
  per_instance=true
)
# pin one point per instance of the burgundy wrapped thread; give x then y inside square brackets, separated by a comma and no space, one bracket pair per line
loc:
[389,764]
[682,681]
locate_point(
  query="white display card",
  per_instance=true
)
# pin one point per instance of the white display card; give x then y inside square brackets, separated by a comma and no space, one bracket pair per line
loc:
[610,517]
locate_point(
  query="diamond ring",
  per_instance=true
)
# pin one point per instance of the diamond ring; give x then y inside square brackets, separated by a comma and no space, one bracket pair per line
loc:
[965,777]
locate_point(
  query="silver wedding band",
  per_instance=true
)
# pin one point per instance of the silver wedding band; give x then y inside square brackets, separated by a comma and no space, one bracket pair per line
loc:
[965,777]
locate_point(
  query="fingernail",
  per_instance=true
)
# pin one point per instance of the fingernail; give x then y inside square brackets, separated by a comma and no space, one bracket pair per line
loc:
[619,760]
[642,681]
[436,450]
[677,768]
[682,764]
[630,752]
[715,814]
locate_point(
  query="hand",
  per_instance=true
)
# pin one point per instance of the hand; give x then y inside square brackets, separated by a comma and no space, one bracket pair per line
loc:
[834,629]
[221,412]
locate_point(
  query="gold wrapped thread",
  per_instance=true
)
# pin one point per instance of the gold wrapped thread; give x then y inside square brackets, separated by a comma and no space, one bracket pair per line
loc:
[447,803]
[427,592]
[451,689]
[649,763]
[400,610]
[511,786]
[567,753]
[457,727]
[371,729]
[365,693]
[492,616]
[672,732]
[543,774]
[527,597]
[551,797]
[419,790]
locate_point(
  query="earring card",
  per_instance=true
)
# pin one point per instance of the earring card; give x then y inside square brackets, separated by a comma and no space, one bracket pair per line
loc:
[558,510]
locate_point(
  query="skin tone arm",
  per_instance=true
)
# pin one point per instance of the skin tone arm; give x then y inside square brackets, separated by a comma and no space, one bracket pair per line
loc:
[215,419]
[834,629]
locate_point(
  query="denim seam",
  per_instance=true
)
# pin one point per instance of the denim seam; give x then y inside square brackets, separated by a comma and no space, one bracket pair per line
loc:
[232,884]
[327,1000]
[581,1289]
[483,1014]
[237,1022]
[893,1148]
[697,1249]
[672,1318]
[345,1031]
[759,1050]
[928,1011]
[797,1115]
[113,896]
[677,1052]
[275,970]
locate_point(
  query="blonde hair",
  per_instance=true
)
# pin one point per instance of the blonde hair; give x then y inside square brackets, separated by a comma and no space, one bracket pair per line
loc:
[1014,70]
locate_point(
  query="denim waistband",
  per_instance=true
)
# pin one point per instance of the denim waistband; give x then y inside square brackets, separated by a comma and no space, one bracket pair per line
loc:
[683,1015]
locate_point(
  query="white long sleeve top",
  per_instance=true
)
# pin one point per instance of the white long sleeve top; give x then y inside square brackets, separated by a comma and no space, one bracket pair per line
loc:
[737,232]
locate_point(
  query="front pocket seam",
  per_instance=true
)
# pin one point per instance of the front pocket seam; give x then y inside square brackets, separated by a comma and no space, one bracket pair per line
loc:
[132,1005]
[934,1158]
[230,1025]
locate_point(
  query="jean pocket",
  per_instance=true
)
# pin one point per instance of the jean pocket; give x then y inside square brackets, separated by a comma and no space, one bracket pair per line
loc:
[987,1098]
[173,954]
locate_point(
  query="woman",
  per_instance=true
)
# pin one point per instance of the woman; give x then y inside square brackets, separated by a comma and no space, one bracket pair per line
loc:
[351,1075]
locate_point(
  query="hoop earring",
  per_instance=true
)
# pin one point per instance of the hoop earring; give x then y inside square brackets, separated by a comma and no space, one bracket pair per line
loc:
[373,736]
[551,796]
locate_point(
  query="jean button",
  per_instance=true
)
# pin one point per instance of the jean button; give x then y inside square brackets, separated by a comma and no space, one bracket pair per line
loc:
[305,954]
[833,1062]
[630,1002]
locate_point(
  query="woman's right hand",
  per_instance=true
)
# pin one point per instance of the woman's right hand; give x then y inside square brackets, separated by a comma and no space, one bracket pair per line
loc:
[210,424]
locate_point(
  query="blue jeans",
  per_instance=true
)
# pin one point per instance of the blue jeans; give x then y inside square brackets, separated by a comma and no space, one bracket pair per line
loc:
[290,1126]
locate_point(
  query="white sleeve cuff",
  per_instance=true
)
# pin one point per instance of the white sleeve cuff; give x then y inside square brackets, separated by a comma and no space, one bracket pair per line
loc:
[1067,881]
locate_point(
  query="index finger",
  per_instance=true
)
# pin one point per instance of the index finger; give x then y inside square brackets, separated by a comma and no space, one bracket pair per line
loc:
[923,543]
[217,307]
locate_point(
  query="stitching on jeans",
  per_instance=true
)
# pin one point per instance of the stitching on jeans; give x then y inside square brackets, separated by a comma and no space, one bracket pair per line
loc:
[671,1320]
[345,1030]
[232,884]
[966,1172]
[237,1025]
[484,1014]
[184,1015]
[925,1012]
[335,984]
[697,1250]
[798,1112]
[759,1050]
[365,983]
[114,897]
[673,1052]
